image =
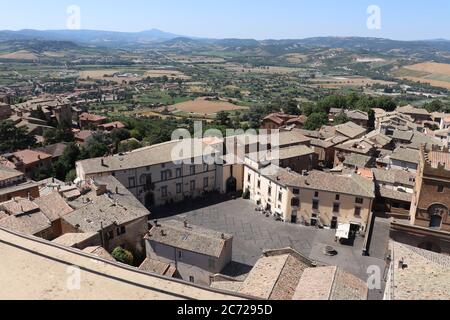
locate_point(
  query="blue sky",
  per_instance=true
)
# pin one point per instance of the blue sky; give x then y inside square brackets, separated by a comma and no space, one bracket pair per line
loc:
[260,19]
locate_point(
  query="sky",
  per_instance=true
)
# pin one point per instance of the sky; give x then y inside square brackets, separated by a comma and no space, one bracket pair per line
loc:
[257,19]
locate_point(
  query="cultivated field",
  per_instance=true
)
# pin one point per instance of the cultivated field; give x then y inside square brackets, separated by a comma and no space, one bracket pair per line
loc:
[205,107]
[436,74]
[128,75]
[20,55]
[263,70]
[346,81]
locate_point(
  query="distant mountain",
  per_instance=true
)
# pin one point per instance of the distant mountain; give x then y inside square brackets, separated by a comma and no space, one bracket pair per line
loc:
[155,37]
[88,36]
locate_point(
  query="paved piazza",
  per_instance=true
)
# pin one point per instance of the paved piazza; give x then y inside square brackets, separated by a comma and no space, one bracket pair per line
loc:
[253,232]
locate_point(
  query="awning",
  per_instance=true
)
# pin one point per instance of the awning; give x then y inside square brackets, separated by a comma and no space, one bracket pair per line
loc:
[343,231]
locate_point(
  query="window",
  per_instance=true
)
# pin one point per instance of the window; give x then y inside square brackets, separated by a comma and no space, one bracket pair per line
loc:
[180,255]
[191,279]
[131,182]
[296,191]
[269,191]
[179,188]
[336,207]
[192,185]
[280,197]
[164,192]
[359,200]
[441,189]
[192,170]
[338,197]
[295,202]
[121,231]
[357,212]
[205,182]
[315,205]
[259,184]
[205,167]
[178,172]
[165,175]
[110,235]
[316,194]
[249,178]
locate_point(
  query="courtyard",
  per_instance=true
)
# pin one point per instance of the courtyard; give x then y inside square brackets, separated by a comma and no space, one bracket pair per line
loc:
[254,232]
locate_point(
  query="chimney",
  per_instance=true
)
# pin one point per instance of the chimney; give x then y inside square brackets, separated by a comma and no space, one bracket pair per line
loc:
[163,233]
[223,236]
[103,162]
[185,224]
[117,190]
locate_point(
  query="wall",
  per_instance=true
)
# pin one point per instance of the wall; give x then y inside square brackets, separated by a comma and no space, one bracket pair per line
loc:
[191,264]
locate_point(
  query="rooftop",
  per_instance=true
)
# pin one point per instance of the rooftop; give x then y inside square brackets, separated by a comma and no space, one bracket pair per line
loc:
[351,184]
[74,239]
[53,206]
[158,267]
[350,129]
[26,259]
[405,155]
[330,283]
[425,276]
[110,208]
[31,156]
[191,238]
[8,173]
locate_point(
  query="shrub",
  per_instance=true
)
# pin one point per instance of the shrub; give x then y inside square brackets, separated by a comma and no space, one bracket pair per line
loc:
[123,256]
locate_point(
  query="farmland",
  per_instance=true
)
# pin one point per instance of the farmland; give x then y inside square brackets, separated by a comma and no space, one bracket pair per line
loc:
[203,106]
[436,74]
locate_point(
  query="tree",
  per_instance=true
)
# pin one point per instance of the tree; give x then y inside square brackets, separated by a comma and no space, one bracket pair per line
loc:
[341,119]
[316,121]
[122,255]
[13,138]
[71,176]
[223,118]
[292,108]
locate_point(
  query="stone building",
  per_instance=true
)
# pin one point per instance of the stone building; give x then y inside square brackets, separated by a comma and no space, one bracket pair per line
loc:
[429,226]
[196,253]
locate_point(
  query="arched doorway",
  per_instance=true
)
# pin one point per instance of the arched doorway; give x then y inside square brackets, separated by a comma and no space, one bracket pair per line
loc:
[149,200]
[231,185]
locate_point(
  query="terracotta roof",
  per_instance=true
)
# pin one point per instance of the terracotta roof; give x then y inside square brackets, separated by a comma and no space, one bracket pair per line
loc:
[74,239]
[158,267]
[53,206]
[276,275]
[439,157]
[192,238]
[31,156]
[113,125]
[330,283]
[99,252]
[91,117]
[8,173]
[425,276]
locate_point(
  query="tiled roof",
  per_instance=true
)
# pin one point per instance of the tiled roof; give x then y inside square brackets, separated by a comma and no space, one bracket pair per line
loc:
[406,155]
[350,129]
[53,206]
[276,275]
[192,238]
[108,209]
[99,252]
[158,267]
[330,283]
[425,277]
[392,176]
[74,239]
[31,156]
[8,173]
[30,224]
